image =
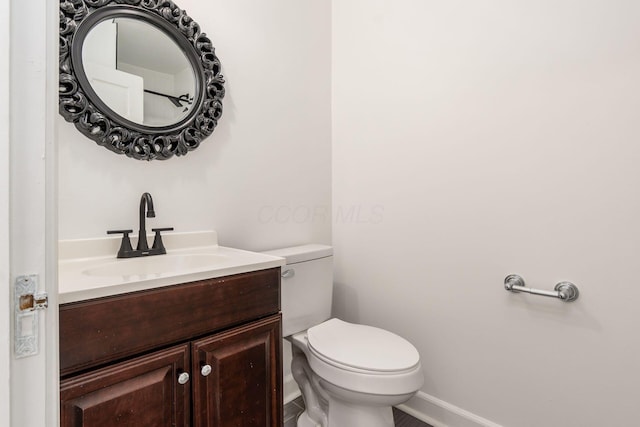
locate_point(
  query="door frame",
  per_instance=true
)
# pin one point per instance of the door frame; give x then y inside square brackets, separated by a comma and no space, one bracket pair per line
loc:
[5,295]
[31,31]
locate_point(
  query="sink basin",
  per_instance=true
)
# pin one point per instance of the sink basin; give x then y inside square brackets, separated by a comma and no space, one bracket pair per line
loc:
[155,265]
[88,269]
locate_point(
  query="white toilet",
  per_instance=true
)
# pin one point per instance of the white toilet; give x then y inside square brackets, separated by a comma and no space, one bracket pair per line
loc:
[350,375]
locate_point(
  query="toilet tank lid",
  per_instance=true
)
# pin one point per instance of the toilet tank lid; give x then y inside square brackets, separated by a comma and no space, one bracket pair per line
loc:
[295,254]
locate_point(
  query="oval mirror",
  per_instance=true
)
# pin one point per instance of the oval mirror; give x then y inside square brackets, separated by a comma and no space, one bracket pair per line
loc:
[139,79]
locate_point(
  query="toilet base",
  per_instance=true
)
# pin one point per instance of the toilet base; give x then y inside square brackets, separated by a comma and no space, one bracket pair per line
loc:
[305,421]
[340,415]
[347,415]
[328,405]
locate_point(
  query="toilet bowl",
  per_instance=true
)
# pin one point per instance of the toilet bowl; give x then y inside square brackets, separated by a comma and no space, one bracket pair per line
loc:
[350,375]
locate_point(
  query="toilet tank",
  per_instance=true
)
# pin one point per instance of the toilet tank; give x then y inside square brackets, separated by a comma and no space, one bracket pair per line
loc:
[307,286]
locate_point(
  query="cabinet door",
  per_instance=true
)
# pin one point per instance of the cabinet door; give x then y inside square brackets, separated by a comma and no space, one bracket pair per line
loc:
[244,386]
[144,391]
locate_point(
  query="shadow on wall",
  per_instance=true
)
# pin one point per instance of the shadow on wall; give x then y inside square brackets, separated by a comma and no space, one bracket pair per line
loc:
[345,303]
[573,315]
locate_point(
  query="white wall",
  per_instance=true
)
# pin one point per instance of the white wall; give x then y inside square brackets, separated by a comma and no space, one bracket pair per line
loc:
[270,154]
[481,139]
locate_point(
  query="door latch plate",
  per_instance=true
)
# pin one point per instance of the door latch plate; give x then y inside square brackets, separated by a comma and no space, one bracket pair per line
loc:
[27,305]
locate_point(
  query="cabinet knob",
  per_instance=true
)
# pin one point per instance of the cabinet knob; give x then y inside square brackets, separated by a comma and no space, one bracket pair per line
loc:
[206,370]
[183,378]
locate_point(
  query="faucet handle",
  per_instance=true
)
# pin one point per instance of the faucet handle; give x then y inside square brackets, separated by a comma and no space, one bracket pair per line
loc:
[157,240]
[125,244]
[125,232]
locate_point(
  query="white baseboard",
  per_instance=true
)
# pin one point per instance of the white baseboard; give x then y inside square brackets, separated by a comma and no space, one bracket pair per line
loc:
[439,413]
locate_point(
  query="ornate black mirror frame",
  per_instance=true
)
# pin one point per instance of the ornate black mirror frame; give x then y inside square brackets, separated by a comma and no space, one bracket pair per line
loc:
[78,103]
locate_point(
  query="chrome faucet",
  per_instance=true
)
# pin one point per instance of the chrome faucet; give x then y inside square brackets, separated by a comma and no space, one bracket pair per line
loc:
[146,211]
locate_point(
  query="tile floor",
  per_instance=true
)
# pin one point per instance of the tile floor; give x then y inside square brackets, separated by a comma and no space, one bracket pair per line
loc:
[293,408]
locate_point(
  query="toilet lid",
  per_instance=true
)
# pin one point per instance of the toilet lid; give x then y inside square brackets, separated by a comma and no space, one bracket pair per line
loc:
[362,347]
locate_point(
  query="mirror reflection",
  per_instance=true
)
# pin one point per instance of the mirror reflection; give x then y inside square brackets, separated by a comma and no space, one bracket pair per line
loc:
[139,72]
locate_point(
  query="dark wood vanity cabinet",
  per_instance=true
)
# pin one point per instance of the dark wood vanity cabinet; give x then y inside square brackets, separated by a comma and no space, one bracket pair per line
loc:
[225,370]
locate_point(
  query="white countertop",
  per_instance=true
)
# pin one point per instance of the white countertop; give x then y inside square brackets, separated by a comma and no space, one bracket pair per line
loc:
[88,268]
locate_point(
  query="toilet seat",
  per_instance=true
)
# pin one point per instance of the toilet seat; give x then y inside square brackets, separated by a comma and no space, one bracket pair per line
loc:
[361,348]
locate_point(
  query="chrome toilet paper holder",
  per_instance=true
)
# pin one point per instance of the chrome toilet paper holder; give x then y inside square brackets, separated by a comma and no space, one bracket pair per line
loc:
[565,291]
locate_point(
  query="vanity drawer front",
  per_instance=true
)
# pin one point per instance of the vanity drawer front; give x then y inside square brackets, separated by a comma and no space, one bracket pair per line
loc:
[99,331]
